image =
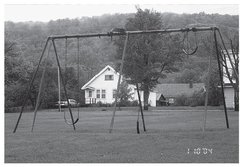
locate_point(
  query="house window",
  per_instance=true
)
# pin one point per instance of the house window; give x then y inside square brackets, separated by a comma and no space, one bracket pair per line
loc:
[103,94]
[109,77]
[98,94]
[171,100]
[90,93]
[114,93]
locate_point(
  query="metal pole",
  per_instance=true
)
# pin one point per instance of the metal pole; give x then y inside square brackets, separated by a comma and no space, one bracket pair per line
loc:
[137,122]
[29,89]
[40,90]
[109,34]
[61,77]
[221,78]
[140,105]
[118,84]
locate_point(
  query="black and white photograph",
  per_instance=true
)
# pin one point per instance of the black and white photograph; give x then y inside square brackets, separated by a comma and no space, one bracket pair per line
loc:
[121,83]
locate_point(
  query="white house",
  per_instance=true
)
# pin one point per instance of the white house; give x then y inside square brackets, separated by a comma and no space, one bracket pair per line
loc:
[229,95]
[102,88]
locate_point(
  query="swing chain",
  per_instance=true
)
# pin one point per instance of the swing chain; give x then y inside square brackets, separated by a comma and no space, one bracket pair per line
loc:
[186,37]
[78,76]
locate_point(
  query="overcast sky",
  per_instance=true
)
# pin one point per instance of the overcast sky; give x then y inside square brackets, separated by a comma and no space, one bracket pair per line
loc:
[46,13]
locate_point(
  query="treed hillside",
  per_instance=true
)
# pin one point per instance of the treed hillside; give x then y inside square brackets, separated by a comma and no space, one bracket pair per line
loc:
[24,42]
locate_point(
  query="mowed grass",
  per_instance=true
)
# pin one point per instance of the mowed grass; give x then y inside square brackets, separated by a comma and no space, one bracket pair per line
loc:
[169,135]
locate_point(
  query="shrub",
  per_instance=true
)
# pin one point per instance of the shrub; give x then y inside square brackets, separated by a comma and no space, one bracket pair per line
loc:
[197,99]
[101,104]
[126,103]
[134,103]
[181,100]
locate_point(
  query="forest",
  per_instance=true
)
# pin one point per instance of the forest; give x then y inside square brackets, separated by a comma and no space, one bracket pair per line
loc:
[24,42]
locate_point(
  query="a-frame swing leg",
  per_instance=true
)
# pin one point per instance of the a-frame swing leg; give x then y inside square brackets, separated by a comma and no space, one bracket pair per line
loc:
[30,86]
[221,78]
[61,77]
[118,84]
[40,89]
[140,105]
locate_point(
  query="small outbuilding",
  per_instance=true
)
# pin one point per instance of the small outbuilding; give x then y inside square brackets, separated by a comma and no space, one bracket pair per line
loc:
[167,93]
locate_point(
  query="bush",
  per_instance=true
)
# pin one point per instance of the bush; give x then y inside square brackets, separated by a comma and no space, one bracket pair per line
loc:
[134,103]
[181,100]
[101,104]
[197,99]
[126,103]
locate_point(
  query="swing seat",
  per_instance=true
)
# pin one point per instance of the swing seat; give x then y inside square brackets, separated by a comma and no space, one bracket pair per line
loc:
[191,53]
[70,123]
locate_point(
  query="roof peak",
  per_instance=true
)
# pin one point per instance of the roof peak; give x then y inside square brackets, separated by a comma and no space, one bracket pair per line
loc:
[97,75]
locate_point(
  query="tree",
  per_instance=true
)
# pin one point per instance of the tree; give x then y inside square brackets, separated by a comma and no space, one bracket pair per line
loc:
[230,64]
[148,57]
[188,76]
[16,74]
[11,75]
[124,94]
[11,62]
[228,72]
[214,95]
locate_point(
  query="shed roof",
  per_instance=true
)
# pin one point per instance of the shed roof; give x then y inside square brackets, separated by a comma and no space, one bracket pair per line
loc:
[173,90]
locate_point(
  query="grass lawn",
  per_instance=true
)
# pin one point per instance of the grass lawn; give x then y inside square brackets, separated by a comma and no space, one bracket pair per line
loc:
[172,136]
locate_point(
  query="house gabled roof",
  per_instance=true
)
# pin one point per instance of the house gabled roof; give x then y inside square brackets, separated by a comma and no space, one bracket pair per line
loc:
[173,90]
[97,75]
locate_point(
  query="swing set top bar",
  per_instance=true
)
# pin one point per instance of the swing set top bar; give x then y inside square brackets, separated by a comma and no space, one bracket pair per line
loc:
[110,34]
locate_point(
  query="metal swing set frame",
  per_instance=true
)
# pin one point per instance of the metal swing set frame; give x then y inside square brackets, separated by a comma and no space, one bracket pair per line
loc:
[52,39]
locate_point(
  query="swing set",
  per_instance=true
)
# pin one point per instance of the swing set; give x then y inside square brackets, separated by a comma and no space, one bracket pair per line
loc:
[50,42]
